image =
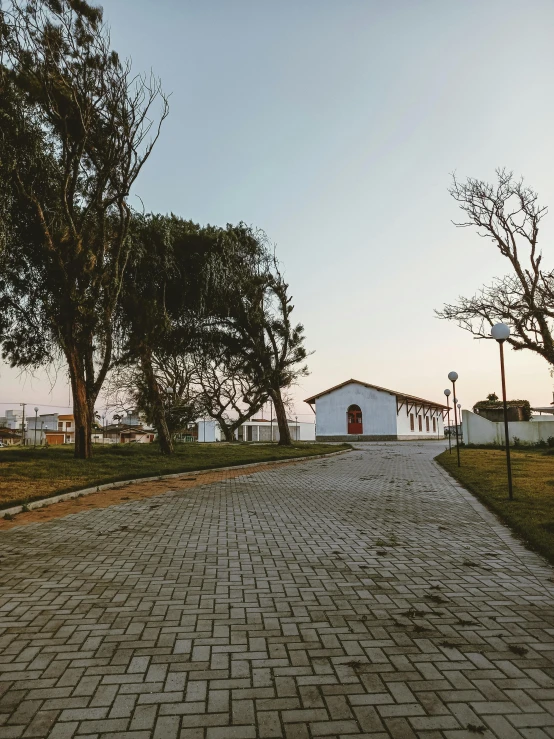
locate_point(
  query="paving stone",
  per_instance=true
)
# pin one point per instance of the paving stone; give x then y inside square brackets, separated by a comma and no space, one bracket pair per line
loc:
[326,598]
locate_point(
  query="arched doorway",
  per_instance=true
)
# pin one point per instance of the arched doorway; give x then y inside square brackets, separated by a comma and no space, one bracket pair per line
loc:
[354,419]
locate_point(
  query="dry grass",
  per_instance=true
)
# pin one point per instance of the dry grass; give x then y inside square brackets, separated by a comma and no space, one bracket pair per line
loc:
[27,474]
[531,513]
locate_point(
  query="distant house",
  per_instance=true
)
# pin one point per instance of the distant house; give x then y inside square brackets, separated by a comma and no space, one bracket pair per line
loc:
[517,410]
[9,437]
[50,428]
[127,434]
[12,420]
[265,429]
[255,429]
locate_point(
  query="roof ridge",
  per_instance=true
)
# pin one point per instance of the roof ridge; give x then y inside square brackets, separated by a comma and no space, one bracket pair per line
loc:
[374,387]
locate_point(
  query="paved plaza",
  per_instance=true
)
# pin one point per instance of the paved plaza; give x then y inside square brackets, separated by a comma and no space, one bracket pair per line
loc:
[364,595]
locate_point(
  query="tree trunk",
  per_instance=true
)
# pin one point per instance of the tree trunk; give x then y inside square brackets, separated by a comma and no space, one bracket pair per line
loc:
[156,402]
[281,414]
[82,407]
[227,431]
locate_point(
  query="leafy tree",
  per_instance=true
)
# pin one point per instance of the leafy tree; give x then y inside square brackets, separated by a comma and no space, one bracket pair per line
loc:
[76,128]
[174,276]
[271,345]
[508,214]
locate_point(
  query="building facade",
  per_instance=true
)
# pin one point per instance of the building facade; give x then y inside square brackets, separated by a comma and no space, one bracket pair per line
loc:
[255,429]
[359,411]
[12,420]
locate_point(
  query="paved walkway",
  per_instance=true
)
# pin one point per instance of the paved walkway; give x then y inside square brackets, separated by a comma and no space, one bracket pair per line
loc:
[360,596]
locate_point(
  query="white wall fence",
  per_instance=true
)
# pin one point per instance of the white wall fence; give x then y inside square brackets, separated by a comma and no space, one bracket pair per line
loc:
[479,430]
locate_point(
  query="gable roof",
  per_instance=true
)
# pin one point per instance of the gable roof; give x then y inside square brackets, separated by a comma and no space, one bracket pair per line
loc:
[401,396]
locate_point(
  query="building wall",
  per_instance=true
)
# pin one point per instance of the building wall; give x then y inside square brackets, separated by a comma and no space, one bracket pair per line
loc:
[208,431]
[405,432]
[479,430]
[12,420]
[378,411]
[306,431]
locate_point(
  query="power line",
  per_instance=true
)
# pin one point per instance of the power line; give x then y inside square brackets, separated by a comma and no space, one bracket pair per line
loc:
[44,405]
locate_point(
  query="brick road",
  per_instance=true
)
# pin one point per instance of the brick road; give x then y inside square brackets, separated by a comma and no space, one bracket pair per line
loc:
[360,596]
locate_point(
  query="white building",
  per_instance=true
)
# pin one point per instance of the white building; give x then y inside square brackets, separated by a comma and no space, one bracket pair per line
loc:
[263,429]
[358,411]
[255,429]
[12,420]
[208,430]
[51,428]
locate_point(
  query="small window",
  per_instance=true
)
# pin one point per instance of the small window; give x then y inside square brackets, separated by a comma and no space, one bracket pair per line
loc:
[427,423]
[420,423]
[60,425]
[412,426]
[434,424]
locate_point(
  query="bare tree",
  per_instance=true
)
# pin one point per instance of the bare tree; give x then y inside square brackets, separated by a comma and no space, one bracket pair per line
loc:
[228,391]
[508,214]
[98,129]
[175,402]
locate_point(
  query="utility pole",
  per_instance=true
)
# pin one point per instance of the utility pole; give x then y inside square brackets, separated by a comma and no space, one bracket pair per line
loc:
[23,424]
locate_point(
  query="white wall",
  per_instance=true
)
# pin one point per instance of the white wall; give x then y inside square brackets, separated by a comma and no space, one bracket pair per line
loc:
[208,430]
[479,430]
[306,431]
[261,431]
[403,424]
[378,411]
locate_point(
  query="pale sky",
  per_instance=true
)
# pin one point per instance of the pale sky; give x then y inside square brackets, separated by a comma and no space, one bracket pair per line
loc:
[334,125]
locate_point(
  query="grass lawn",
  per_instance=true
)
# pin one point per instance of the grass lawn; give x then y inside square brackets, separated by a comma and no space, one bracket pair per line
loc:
[531,513]
[27,474]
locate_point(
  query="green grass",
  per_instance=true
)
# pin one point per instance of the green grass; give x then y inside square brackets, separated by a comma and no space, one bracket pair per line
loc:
[531,513]
[28,474]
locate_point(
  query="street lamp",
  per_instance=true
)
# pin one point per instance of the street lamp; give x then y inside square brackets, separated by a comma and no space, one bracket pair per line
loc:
[36,422]
[461,424]
[500,333]
[447,393]
[453,376]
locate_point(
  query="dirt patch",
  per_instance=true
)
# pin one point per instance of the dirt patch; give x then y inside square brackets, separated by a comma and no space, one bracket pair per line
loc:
[129,492]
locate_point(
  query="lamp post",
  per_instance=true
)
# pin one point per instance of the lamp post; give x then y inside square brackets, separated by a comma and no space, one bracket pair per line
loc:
[453,376]
[500,333]
[36,422]
[447,393]
[461,423]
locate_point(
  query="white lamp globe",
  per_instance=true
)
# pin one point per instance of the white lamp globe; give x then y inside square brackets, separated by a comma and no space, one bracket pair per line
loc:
[452,376]
[500,332]
[36,409]
[447,392]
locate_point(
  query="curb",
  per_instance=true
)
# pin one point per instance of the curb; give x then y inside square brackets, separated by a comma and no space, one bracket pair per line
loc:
[42,502]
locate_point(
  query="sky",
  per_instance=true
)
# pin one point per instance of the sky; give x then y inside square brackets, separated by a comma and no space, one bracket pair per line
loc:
[335,125]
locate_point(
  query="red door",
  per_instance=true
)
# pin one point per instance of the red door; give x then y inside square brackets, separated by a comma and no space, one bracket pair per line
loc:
[354,416]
